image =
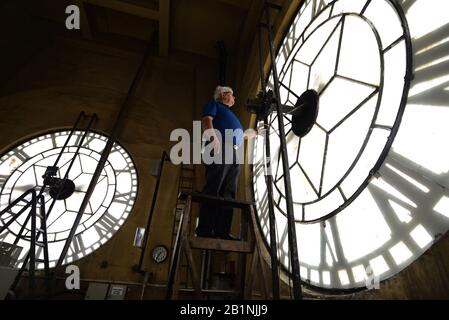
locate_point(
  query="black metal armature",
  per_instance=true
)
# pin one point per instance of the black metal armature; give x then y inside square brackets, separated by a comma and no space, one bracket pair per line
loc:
[265,103]
[58,189]
[268,177]
[304,113]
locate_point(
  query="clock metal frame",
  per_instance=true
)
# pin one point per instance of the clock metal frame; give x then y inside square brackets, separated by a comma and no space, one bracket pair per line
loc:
[113,190]
[393,130]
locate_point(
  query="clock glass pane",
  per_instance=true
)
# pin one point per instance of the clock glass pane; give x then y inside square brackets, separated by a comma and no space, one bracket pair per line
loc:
[23,167]
[361,178]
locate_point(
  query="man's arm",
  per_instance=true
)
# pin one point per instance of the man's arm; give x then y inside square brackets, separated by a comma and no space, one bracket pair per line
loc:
[207,122]
[208,125]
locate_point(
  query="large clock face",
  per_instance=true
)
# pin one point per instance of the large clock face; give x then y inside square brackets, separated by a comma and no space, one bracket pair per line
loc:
[360,184]
[22,168]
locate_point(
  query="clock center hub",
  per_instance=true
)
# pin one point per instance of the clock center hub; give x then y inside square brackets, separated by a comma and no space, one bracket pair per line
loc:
[61,189]
[305,113]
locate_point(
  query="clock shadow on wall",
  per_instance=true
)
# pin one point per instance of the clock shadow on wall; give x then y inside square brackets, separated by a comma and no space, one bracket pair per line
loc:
[22,167]
[370,179]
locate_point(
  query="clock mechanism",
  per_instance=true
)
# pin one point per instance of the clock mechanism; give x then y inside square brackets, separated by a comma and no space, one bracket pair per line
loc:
[59,166]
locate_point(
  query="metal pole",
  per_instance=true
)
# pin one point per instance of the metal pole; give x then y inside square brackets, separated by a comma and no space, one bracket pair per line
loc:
[269,182]
[32,283]
[153,205]
[174,260]
[291,228]
[104,156]
[86,132]
[80,116]
[94,117]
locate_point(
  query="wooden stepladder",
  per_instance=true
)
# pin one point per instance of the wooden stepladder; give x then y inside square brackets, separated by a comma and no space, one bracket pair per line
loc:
[187,241]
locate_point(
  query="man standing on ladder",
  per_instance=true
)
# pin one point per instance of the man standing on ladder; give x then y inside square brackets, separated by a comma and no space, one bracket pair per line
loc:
[225,134]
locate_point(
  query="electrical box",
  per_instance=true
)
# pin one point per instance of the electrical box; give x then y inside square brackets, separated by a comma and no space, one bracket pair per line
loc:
[97,291]
[117,292]
[9,254]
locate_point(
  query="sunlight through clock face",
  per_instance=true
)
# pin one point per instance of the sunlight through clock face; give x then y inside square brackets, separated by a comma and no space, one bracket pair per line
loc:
[360,183]
[22,168]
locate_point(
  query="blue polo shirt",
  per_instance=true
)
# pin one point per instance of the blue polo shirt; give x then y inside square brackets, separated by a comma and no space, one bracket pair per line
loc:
[224,119]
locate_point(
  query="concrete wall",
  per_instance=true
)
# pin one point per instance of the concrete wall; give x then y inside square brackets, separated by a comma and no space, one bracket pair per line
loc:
[48,82]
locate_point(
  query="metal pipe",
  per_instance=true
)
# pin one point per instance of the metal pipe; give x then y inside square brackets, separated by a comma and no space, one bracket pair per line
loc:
[16,215]
[94,117]
[291,228]
[104,156]
[81,115]
[86,132]
[269,182]
[144,284]
[153,205]
[32,252]
[175,257]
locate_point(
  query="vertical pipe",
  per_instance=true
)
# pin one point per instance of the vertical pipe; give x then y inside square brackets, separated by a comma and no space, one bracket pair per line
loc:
[291,228]
[269,183]
[153,205]
[175,257]
[32,252]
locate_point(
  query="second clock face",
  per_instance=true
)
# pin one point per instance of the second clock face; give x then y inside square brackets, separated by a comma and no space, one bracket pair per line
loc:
[22,168]
[355,54]
[369,181]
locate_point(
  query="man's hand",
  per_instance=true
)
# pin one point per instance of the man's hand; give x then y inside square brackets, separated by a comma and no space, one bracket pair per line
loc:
[215,142]
[251,133]
[212,137]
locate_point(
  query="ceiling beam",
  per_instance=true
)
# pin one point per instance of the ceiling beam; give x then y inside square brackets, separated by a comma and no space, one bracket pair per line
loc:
[162,16]
[125,7]
[243,4]
[164,27]
[85,26]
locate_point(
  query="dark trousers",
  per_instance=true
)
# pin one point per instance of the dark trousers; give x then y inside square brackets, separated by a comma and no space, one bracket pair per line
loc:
[221,181]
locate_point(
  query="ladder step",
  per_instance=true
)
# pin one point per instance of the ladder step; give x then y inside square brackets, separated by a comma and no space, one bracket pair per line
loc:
[210,291]
[221,245]
[186,185]
[40,260]
[218,292]
[40,244]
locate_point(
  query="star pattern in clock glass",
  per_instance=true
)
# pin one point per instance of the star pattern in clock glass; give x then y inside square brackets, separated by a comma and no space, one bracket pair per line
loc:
[359,69]
[23,167]
[364,179]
